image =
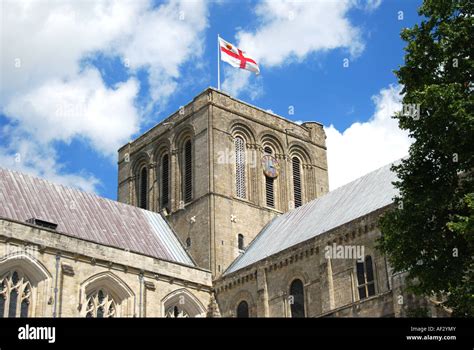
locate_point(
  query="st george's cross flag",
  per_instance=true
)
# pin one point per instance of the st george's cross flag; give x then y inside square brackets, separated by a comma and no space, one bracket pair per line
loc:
[236,57]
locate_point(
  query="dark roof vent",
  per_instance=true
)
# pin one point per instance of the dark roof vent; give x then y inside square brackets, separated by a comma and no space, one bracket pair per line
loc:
[42,223]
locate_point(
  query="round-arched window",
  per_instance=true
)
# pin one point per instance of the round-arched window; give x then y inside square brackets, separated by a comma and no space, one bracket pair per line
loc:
[297,299]
[243,309]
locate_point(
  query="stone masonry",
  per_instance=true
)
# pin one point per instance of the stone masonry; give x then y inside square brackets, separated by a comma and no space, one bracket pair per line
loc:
[212,220]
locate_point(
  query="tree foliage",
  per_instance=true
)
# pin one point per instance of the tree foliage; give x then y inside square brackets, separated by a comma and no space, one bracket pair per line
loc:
[429,233]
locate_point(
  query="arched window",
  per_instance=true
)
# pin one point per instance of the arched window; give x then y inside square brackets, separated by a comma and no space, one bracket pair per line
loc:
[106,295]
[188,172]
[297,181]
[269,185]
[365,278]
[243,309]
[297,299]
[240,241]
[100,305]
[143,193]
[165,181]
[176,312]
[182,303]
[15,295]
[240,164]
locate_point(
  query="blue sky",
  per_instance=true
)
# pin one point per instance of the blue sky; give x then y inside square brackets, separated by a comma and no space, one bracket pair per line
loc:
[80,80]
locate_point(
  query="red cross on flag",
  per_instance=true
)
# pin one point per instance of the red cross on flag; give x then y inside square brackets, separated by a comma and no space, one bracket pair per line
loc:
[236,57]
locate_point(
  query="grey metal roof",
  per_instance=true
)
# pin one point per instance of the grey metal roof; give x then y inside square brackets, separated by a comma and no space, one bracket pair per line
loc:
[349,202]
[88,216]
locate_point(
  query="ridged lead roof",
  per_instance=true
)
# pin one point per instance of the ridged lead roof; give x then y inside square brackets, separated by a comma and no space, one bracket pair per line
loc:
[88,216]
[349,202]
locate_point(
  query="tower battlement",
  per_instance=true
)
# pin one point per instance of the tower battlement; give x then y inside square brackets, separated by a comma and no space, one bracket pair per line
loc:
[222,169]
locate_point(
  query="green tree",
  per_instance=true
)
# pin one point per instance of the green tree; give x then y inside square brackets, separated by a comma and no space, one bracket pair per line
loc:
[429,233]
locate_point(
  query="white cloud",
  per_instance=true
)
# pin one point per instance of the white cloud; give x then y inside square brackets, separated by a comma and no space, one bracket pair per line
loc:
[364,147]
[289,31]
[48,95]
[81,107]
[237,80]
[49,38]
[368,5]
[162,40]
[28,157]
[293,29]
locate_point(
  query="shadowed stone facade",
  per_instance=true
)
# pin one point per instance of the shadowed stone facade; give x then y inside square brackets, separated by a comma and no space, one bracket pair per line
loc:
[330,285]
[140,286]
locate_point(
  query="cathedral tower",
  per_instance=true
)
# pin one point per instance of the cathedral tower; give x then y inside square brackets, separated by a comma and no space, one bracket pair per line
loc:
[221,169]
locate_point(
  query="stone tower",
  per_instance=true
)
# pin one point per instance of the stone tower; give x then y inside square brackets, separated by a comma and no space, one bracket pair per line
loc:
[220,170]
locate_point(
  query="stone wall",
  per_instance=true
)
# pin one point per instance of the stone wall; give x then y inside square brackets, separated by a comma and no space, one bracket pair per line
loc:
[330,283]
[142,285]
[215,216]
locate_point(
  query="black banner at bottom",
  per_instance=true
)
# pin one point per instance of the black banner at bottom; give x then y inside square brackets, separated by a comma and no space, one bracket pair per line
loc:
[366,332]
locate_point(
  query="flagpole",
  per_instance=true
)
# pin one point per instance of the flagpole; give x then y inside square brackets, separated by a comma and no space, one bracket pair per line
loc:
[218,64]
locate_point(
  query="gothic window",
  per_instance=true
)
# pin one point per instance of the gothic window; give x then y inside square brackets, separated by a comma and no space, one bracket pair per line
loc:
[182,303]
[143,200]
[269,185]
[188,172]
[165,179]
[176,312]
[243,309]
[297,181]
[100,305]
[365,278]
[240,164]
[297,299]
[240,241]
[15,295]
